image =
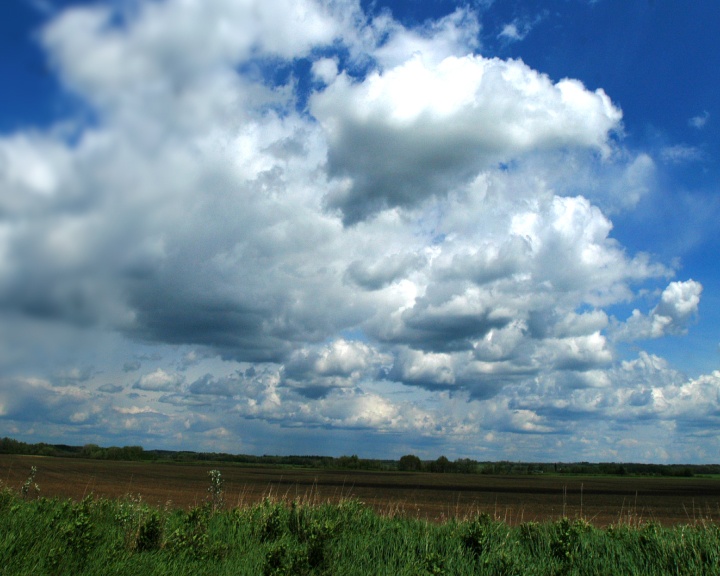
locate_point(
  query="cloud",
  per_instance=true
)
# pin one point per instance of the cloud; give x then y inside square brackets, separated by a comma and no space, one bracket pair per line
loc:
[30,399]
[422,129]
[349,410]
[33,165]
[700,121]
[511,32]
[74,376]
[681,153]
[679,303]
[645,389]
[134,410]
[453,35]
[158,381]
[302,216]
[519,28]
[209,385]
[111,388]
[143,252]
[120,58]
[341,364]
[677,308]
[131,366]
[391,268]
[193,358]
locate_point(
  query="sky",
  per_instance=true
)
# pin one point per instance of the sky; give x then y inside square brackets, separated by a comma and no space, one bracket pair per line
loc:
[482,229]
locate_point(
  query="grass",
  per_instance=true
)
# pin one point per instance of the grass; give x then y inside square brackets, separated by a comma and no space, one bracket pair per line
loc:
[306,536]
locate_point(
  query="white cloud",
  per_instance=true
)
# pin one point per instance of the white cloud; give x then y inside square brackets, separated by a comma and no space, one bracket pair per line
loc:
[425,249]
[581,352]
[341,364]
[528,422]
[420,129]
[453,35]
[699,121]
[325,69]
[32,164]
[645,389]
[679,303]
[389,269]
[136,410]
[681,153]
[677,308]
[634,182]
[519,28]
[170,46]
[34,399]
[158,381]
[511,32]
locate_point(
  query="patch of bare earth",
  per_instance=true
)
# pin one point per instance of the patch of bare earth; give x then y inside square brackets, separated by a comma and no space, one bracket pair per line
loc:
[514,499]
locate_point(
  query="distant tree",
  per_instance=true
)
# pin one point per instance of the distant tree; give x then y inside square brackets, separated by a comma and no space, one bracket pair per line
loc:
[132,453]
[410,463]
[113,453]
[441,465]
[465,465]
[91,451]
[10,446]
[350,462]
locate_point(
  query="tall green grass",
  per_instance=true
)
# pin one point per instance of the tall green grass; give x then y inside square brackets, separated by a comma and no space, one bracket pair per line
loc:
[127,536]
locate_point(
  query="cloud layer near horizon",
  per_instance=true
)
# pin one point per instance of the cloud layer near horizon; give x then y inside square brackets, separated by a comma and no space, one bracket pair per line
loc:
[297,215]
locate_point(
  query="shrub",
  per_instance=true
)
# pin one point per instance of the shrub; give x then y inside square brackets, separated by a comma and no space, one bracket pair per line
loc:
[477,534]
[142,525]
[76,535]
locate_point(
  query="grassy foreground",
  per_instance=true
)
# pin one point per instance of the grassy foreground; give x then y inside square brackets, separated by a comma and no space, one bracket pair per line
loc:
[127,536]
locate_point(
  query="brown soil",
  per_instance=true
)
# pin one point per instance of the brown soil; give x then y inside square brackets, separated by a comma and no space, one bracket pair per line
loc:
[514,499]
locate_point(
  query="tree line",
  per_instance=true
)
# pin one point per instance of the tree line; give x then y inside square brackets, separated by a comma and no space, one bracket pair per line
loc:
[408,463]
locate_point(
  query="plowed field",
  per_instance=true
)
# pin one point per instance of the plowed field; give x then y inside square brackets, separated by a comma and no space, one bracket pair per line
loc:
[601,500]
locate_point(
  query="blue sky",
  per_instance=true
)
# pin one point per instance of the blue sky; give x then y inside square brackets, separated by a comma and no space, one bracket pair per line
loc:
[482,229]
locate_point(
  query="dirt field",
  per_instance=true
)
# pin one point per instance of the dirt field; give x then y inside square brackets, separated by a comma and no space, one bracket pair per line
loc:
[601,500]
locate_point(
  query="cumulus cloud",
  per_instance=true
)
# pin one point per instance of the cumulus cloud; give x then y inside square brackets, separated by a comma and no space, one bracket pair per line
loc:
[645,390]
[342,364]
[453,35]
[158,381]
[119,58]
[677,308]
[227,386]
[420,129]
[679,304]
[379,274]
[33,165]
[412,238]
[32,399]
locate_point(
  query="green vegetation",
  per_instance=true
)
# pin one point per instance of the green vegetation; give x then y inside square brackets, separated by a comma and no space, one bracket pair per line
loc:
[127,536]
[408,463]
